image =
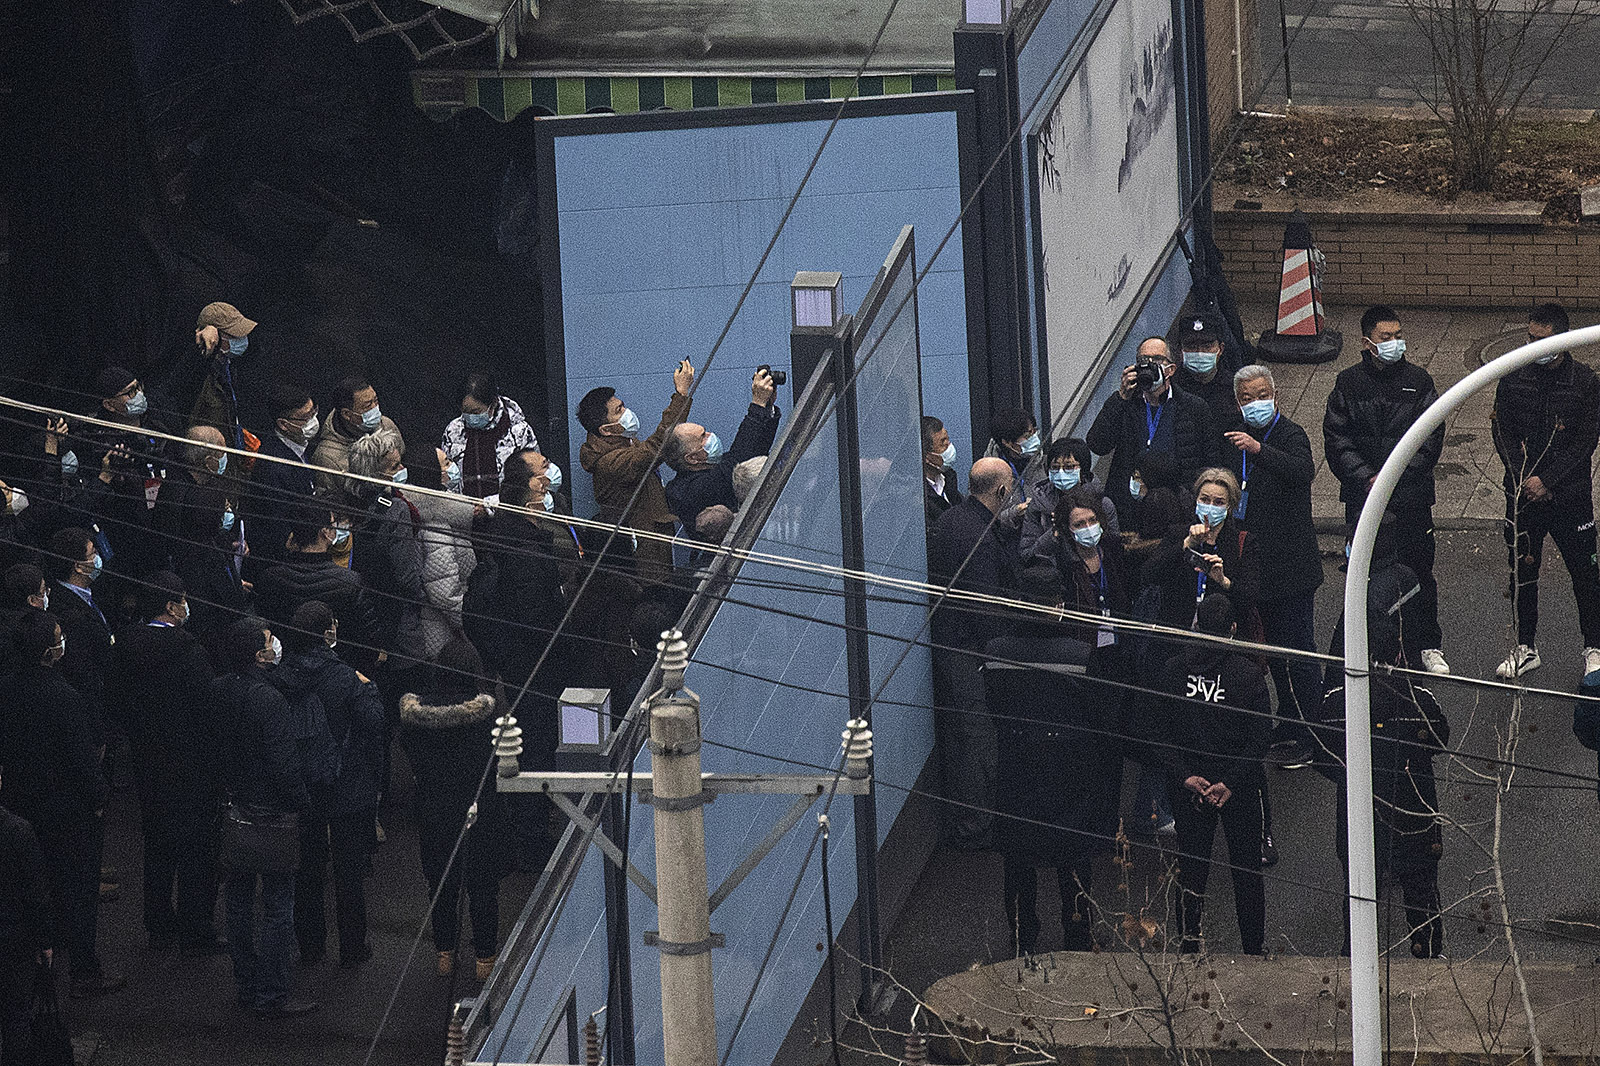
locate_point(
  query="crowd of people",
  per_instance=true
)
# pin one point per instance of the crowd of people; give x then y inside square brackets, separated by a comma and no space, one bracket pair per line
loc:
[245,637]
[1204,523]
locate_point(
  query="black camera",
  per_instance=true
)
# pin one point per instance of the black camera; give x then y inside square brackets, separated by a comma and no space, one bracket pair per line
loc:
[779,377]
[1147,374]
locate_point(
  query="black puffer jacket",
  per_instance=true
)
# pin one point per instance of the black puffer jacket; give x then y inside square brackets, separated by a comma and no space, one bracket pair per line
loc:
[355,719]
[1120,431]
[281,589]
[1546,422]
[1369,410]
[258,753]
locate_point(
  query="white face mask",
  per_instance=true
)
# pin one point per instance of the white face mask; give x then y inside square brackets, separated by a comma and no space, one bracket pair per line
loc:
[19,501]
[44,600]
[309,432]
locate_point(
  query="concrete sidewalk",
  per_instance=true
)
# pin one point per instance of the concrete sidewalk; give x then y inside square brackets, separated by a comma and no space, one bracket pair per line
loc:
[1449,343]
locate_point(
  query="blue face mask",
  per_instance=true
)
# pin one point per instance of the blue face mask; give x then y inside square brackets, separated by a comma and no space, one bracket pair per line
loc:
[69,465]
[1347,549]
[948,456]
[237,345]
[553,473]
[713,448]
[1259,412]
[138,404]
[372,419]
[341,536]
[1088,536]
[549,502]
[452,477]
[399,477]
[1066,479]
[227,519]
[1030,445]
[1213,514]
[1200,362]
[222,463]
[96,564]
[1136,488]
[477,420]
[629,421]
[1390,351]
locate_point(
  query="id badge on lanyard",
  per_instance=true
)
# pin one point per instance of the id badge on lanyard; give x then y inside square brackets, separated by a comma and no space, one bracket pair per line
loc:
[1106,636]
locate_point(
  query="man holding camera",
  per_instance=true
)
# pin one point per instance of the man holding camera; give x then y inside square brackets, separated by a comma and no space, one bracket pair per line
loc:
[705,471]
[1148,413]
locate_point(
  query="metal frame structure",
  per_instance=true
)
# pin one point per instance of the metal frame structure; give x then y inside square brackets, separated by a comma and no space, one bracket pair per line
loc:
[1366,1015]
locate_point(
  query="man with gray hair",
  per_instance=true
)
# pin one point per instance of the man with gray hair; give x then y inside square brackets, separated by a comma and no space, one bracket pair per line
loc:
[968,554]
[704,471]
[1271,453]
[386,546]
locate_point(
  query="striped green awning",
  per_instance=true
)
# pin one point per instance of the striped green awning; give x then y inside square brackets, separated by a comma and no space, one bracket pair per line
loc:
[504,98]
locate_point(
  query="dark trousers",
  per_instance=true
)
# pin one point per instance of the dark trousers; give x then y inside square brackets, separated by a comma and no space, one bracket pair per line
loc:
[261,968]
[348,840]
[476,866]
[17,975]
[73,858]
[1291,623]
[1022,904]
[1197,829]
[1414,543]
[1569,521]
[180,864]
[1418,884]
[965,736]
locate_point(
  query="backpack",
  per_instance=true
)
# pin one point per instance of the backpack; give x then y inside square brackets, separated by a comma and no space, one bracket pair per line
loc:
[320,756]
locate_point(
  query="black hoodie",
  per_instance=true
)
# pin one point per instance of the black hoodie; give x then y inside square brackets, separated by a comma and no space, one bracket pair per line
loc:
[1217,717]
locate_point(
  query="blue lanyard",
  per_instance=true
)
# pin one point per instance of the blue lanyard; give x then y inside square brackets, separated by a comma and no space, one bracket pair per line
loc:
[1244,456]
[1152,424]
[1100,577]
[1199,585]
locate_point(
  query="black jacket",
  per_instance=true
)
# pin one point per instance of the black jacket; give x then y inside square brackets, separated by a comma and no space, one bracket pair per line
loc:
[160,690]
[355,719]
[88,658]
[966,529]
[448,746]
[1216,719]
[24,889]
[692,491]
[275,490]
[1217,393]
[389,556]
[1278,510]
[1408,729]
[47,746]
[933,504]
[281,590]
[188,518]
[1120,431]
[258,749]
[1369,410]
[1169,567]
[1546,422]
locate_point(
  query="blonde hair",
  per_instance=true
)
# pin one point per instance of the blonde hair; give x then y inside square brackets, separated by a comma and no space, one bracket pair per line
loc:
[1217,475]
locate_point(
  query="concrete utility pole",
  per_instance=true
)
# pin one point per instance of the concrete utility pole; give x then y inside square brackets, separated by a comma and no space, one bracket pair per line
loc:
[1366,1019]
[688,1012]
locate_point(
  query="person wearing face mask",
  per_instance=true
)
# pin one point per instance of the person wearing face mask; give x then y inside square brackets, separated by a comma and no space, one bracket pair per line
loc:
[74,566]
[311,573]
[618,461]
[1068,468]
[261,767]
[356,414]
[199,528]
[23,590]
[1014,437]
[222,335]
[970,553]
[704,470]
[1143,417]
[448,556]
[1225,558]
[1155,505]
[480,439]
[48,746]
[123,472]
[277,488]
[1271,454]
[159,687]
[1546,423]
[1370,408]
[1203,368]
[939,490]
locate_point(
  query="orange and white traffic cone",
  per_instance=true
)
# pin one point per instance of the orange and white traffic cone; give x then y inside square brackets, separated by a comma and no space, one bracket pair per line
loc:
[1302,335]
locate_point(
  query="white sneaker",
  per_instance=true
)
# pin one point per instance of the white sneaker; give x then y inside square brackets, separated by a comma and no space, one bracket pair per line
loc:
[1522,660]
[1433,661]
[1591,660]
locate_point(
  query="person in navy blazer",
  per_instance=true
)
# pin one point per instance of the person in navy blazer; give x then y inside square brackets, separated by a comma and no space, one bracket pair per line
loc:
[276,488]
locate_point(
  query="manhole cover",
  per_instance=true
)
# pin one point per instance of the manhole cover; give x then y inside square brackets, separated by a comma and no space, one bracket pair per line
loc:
[1496,346]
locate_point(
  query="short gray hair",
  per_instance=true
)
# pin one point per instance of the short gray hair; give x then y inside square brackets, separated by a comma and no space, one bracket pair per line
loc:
[367,453]
[745,476]
[673,449]
[1251,373]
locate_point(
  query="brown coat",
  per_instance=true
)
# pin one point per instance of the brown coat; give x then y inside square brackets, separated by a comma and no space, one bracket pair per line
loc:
[618,464]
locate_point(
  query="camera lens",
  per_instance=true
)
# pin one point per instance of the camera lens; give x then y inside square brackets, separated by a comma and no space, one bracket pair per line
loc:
[779,377]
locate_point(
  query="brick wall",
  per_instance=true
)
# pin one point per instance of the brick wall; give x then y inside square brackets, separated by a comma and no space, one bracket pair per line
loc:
[1457,260]
[1222,93]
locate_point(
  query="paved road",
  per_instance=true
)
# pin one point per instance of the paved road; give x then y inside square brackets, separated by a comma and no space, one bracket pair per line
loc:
[1371,53]
[955,918]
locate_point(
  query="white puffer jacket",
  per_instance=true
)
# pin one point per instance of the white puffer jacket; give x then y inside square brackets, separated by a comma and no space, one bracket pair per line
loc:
[447,565]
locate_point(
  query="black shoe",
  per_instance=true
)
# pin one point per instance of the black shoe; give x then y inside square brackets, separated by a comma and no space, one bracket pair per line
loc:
[289,1008]
[1269,851]
[204,949]
[1294,755]
[99,985]
[350,960]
